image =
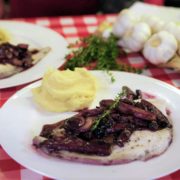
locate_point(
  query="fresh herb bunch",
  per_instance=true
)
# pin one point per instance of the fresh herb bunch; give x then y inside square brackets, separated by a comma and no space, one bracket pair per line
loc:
[94,48]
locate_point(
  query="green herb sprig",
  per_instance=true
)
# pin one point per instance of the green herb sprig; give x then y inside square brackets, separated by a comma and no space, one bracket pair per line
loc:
[94,48]
[108,111]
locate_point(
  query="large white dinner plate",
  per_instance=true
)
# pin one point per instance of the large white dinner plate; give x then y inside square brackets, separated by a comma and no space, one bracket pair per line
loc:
[21,120]
[37,37]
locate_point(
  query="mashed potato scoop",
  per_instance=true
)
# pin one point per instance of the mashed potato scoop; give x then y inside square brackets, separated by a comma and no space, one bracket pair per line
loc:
[67,90]
[5,35]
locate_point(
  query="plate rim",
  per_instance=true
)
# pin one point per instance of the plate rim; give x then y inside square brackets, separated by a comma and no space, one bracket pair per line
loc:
[121,72]
[169,86]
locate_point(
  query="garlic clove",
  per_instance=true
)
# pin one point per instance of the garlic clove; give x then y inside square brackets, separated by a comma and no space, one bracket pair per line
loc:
[135,38]
[160,48]
[174,29]
[125,21]
[149,55]
[154,22]
[106,34]
[178,52]
[105,29]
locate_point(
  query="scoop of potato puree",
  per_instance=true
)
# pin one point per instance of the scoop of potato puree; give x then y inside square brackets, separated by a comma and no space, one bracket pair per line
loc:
[67,90]
[4,35]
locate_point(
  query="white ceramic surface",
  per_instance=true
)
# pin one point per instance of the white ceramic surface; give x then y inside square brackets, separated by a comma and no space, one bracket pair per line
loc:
[21,120]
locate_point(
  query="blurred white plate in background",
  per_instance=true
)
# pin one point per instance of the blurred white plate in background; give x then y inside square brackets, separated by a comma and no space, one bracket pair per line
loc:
[37,37]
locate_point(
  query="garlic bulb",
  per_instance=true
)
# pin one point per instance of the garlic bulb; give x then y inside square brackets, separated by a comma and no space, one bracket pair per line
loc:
[160,48]
[179,50]
[5,35]
[154,22]
[105,29]
[135,38]
[174,29]
[125,20]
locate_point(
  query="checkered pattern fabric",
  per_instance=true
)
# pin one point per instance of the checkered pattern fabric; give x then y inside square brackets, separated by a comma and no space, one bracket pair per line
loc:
[73,28]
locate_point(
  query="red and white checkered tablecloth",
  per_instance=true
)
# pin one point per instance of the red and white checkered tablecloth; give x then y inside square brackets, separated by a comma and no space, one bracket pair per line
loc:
[72,28]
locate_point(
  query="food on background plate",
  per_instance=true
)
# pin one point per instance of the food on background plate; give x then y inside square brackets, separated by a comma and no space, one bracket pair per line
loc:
[118,131]
[17,58]
[5,35]
[65,90]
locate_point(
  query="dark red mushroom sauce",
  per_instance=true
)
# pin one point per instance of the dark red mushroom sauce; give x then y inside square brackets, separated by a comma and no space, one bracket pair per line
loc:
[17,55]
[95,131]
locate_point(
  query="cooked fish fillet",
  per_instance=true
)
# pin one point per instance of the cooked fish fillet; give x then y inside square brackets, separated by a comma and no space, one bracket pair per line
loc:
[40,55]
[143,145]
[7,70]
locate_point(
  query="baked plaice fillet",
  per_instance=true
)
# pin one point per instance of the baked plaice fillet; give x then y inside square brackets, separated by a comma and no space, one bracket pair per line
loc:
[17,58]
[118,131]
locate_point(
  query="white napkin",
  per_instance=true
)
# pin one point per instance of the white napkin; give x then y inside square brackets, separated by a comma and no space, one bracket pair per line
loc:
[165,13]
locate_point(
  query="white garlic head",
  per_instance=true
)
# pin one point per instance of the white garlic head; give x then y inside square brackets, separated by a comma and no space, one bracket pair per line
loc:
[160,48]
[135,38]
[154,22]
[178,49]
[174,29]
[125,21]
[105,29]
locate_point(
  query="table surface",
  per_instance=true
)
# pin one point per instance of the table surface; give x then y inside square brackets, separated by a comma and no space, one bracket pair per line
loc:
[72,28]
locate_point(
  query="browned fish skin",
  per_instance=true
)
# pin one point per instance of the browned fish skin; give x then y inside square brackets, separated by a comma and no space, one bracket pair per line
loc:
[74,144]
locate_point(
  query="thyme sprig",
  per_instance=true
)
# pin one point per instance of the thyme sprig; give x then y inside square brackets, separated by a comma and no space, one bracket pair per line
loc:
[108,111]
[94,48]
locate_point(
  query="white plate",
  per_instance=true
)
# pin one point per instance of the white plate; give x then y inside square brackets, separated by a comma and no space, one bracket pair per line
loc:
[37,37]
[21,120]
